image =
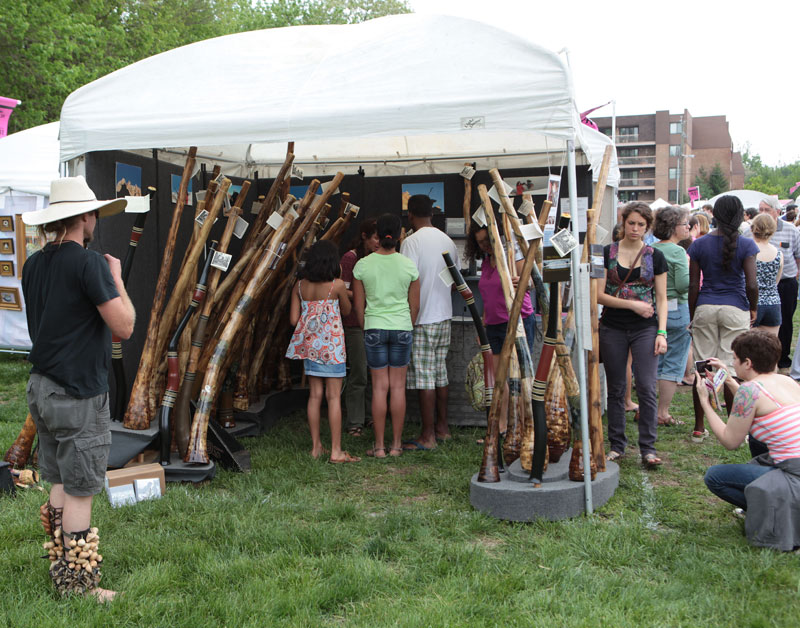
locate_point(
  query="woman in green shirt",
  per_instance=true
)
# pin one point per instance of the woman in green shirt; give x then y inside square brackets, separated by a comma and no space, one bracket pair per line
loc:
[671,225]
[386,296]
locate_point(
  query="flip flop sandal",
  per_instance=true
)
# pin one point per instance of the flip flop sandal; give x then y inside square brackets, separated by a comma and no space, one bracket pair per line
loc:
[415,445]
[671,420]
[651,461]
[395,452]
[613,455]
[699,437]
[355,431]
[373,453]
[347,458]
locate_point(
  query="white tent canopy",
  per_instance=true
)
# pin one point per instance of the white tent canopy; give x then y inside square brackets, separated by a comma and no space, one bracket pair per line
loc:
[29,160]
[405,94]
[749,198]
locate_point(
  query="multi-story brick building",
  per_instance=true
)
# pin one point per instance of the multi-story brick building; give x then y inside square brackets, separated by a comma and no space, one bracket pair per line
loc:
[660,154]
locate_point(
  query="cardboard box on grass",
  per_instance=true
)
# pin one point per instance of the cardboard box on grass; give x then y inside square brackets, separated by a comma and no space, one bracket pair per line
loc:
[120,483]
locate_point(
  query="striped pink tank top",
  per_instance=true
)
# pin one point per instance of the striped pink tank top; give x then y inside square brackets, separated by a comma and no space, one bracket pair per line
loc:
[779,430]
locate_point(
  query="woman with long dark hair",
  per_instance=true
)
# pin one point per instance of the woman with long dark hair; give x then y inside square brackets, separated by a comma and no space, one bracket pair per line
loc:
[727,303]
[355,391]
[633,294]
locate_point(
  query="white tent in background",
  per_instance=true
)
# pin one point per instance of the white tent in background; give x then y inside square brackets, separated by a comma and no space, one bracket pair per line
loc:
[749,198]
[28,162]
[400,95]
[659,203]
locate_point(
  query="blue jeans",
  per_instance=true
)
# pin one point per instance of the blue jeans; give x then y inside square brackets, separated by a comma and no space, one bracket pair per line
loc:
[728,481]
[672,364]
[496,333]
[388,347]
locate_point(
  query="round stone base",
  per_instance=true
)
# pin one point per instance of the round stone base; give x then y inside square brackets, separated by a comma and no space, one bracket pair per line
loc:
[513,498]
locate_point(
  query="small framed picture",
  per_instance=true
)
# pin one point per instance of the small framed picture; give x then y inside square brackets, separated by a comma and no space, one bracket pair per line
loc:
[6,246]
[6,269]
[6,223]
[9,299]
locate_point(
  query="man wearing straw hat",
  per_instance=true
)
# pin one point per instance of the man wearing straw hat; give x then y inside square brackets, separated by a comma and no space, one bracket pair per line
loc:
[75,300]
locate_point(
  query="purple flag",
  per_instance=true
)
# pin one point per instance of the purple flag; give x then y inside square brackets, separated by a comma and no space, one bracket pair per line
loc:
[6,109]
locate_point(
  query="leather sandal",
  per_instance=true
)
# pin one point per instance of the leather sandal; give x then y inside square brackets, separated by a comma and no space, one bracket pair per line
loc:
[374,452]
[614,455]
[651,461]
[346,457]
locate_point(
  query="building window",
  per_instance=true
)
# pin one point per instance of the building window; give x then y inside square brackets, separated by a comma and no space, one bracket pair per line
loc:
[628,195]
[674,150]
[673,196]
[606,131]
[628,152]
[628,130]
[675,128]
[673,173]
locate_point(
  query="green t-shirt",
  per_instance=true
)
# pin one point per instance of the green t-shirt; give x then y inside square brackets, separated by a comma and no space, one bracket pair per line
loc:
[386,279]
[677,270]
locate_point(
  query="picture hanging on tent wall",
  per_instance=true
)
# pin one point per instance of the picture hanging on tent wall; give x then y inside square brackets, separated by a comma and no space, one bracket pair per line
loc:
[176,186]
[523,186]
[6,269]
[9,299]
[6,223]
[128,180]
[435,191]
[6,246]
[553,188]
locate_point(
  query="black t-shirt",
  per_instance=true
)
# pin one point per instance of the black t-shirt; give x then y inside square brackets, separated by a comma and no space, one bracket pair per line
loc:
[619,318]
[63,285]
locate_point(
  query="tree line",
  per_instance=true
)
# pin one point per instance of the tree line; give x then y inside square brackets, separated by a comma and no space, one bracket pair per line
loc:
[49,48]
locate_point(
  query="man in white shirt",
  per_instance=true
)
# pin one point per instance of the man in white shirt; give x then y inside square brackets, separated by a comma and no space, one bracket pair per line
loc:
[428,369]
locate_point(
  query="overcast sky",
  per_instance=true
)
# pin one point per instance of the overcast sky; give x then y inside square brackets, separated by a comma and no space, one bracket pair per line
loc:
[740,59]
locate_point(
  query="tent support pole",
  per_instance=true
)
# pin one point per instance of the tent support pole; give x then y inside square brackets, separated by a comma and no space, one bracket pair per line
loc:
[577,303]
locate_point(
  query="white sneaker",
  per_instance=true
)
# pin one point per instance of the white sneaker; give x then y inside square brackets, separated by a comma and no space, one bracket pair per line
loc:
[739,513]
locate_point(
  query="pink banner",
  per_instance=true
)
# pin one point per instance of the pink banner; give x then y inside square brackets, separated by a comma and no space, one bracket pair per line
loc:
[794,187]
[6,109]
[694,194]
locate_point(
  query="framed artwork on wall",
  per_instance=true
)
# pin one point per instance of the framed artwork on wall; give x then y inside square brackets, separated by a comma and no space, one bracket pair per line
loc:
[9,299]
[6,246]
[6,269]
[6,223]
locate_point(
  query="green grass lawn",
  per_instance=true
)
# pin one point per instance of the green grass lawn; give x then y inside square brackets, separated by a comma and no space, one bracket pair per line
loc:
[395,542]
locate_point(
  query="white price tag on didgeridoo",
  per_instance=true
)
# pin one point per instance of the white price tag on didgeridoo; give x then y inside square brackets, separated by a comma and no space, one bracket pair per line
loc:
[446,277]
[480,217]
[526,208]
[275,220]
[221,261]
[240,227]
[530,231]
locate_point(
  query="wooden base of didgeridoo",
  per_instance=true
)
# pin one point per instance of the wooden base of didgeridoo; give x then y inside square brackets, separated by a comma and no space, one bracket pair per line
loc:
[514,498]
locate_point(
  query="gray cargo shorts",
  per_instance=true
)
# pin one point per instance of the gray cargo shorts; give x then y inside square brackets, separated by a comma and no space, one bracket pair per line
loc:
[74,436]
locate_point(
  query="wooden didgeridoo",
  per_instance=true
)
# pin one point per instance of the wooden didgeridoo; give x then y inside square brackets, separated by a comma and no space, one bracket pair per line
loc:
[138,415]
[489,470]
[183,419]
[258,282]
[268,206]
[173,379]
[117,365]
[466,206]
[20,450]
[486,349]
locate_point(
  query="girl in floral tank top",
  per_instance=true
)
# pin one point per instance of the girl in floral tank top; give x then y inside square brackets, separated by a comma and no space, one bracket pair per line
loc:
[316,311]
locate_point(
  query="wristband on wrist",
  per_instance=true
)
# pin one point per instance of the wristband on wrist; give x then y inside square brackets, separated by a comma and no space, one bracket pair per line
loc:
[662,332]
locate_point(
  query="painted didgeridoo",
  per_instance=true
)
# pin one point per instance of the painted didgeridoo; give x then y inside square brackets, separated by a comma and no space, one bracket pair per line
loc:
[20,450]
[486,350]
[539,388]
[117,365]
[174,373]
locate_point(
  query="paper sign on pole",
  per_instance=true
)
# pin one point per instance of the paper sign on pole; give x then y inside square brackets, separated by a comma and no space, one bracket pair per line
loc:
[324,187]
[480,216]
[297,173]
[137,204]
[275,220]
[240,227]
[221,261]
[446,277]
[526,208]
[255,208]
[468,172]
[563,242]
[531,231]
[354,209]
[201,217]
[200,195]
[495,196]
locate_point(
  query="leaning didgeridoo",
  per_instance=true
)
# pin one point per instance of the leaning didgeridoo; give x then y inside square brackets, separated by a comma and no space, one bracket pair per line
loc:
[539,388]
[117,365]
[174,373]
[20,450]
[138,414]
[486,349]
[489,470]
[183,419]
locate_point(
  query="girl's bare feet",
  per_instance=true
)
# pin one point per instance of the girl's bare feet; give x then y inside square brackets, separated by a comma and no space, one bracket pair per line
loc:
[320,451]
[103,595]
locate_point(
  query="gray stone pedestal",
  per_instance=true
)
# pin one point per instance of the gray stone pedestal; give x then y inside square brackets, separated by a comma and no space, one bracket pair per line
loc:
[513,498]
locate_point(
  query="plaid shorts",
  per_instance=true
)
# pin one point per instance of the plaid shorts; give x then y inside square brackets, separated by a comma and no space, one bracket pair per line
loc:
[428,368]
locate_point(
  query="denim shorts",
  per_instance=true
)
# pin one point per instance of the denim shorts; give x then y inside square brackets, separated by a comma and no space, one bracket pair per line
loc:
[768,316]
[497,333]
[316,369]
[388,347]
[672,364]
[74,436]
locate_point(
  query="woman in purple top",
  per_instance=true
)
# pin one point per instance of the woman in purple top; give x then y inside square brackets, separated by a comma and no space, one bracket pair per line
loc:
[495,312]
[727,303]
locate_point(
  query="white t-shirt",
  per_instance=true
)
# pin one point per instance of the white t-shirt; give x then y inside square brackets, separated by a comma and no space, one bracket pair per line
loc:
[425,247]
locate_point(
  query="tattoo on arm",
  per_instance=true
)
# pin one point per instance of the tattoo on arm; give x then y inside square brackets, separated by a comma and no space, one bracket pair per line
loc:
[744,403]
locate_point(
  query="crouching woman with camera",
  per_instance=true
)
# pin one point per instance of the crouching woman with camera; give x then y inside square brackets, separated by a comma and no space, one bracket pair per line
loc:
[766,405]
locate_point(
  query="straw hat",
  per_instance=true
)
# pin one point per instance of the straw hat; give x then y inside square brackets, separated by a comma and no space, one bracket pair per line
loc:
[72,196]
